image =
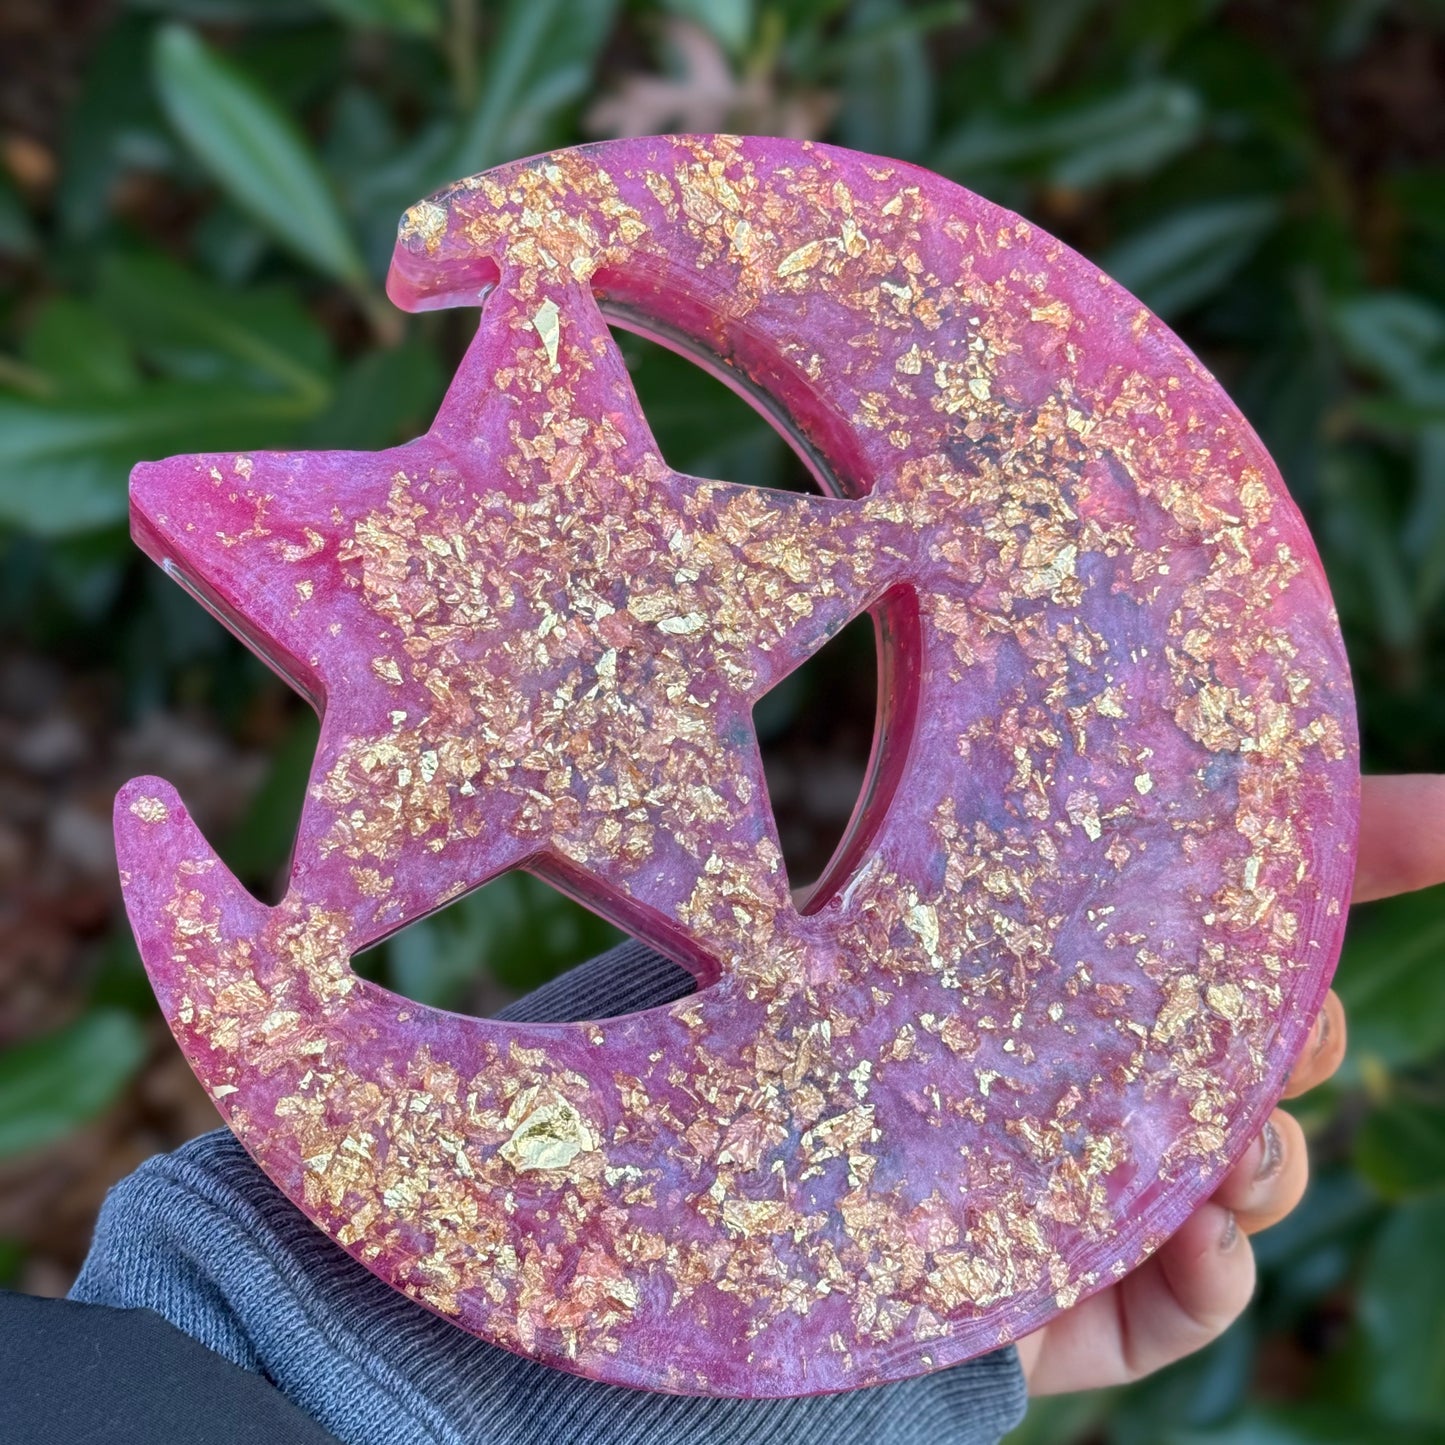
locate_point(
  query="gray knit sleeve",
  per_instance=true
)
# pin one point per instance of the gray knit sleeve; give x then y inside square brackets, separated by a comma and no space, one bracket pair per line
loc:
[202,1237]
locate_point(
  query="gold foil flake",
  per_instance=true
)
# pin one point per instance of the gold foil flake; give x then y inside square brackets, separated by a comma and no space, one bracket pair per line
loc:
[1179,1008]
[547,1131]
[301,552]
[1055,313]
[911,362]
[426,220]
[682,626]
[371,883]
[962,1277]
[1227,1000]
[751,1217]
[923,920]
[150,810]
[804,258]
[548,327]
[1083,810]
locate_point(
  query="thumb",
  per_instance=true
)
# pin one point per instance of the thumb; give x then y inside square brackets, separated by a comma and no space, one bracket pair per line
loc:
[1402,835]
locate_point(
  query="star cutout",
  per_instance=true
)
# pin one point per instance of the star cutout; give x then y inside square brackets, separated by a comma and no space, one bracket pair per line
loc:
[532,641]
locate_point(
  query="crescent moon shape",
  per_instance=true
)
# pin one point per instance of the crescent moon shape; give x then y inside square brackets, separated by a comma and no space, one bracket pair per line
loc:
[1082,921]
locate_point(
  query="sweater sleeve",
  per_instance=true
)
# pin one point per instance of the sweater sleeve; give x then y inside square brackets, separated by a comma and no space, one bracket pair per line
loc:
[203,1238]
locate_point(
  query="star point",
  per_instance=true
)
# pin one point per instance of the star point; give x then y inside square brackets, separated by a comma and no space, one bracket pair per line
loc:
[535,642]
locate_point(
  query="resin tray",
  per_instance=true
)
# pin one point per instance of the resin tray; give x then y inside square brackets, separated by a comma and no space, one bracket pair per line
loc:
[1053,981]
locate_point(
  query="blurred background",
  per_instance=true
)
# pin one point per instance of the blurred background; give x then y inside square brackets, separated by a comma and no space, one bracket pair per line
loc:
[197,202]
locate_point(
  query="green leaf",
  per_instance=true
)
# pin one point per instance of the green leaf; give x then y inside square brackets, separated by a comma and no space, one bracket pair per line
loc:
[384,397]
[261,843]
[1302,1425]
[1349,26]
[1047,33]
[1158,26]
[243,369]
[1399,337]
[17,235]
[12,1257]
[1364,531]
[228,245]
[882,24]
[64,463]
[408,17]
[1421,196]
[703,427]
[86,575]
[191,328]
[887,86]
[1314,1251]
[1126,131]
[729,21]
[234,12]
[517,929]
[1186,256]
[1336,1209]
[254,152]
[1128,137]
[1063,1419]
[1424,532]
[79,348]
[1391,415]
[1391,982]
[56,1083]
[115,122]
[1197,1391]
[119,980]
[1401,1147]
[1400,1315]
[1256,99]
[539,62]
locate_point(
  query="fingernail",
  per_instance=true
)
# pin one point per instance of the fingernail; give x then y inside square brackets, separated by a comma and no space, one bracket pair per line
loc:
[1271,1155]
[1229,1234]
[1322,1030]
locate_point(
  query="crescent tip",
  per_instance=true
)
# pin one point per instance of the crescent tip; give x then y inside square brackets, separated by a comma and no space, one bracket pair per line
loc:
[170,874]
[148,814]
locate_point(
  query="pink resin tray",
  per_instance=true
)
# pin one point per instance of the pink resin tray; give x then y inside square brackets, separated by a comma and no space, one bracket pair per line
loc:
[1055,978]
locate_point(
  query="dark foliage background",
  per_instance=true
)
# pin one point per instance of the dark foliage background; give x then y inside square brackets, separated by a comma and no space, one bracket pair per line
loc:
[197,200]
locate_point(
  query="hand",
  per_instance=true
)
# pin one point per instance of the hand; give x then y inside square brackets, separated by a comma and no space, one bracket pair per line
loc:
[1189,1291]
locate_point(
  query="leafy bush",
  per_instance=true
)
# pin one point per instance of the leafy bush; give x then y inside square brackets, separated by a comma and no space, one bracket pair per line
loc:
[200,270]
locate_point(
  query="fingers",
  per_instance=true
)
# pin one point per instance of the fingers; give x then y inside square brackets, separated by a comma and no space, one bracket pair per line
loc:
[1189,1292]
[1176,1302]
[1402,835]
[1205,1280]
[1270,1180]
[1324,1052]
[1200,1280]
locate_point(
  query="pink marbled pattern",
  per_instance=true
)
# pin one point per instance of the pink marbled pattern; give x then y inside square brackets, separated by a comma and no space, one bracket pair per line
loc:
[1057,975]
